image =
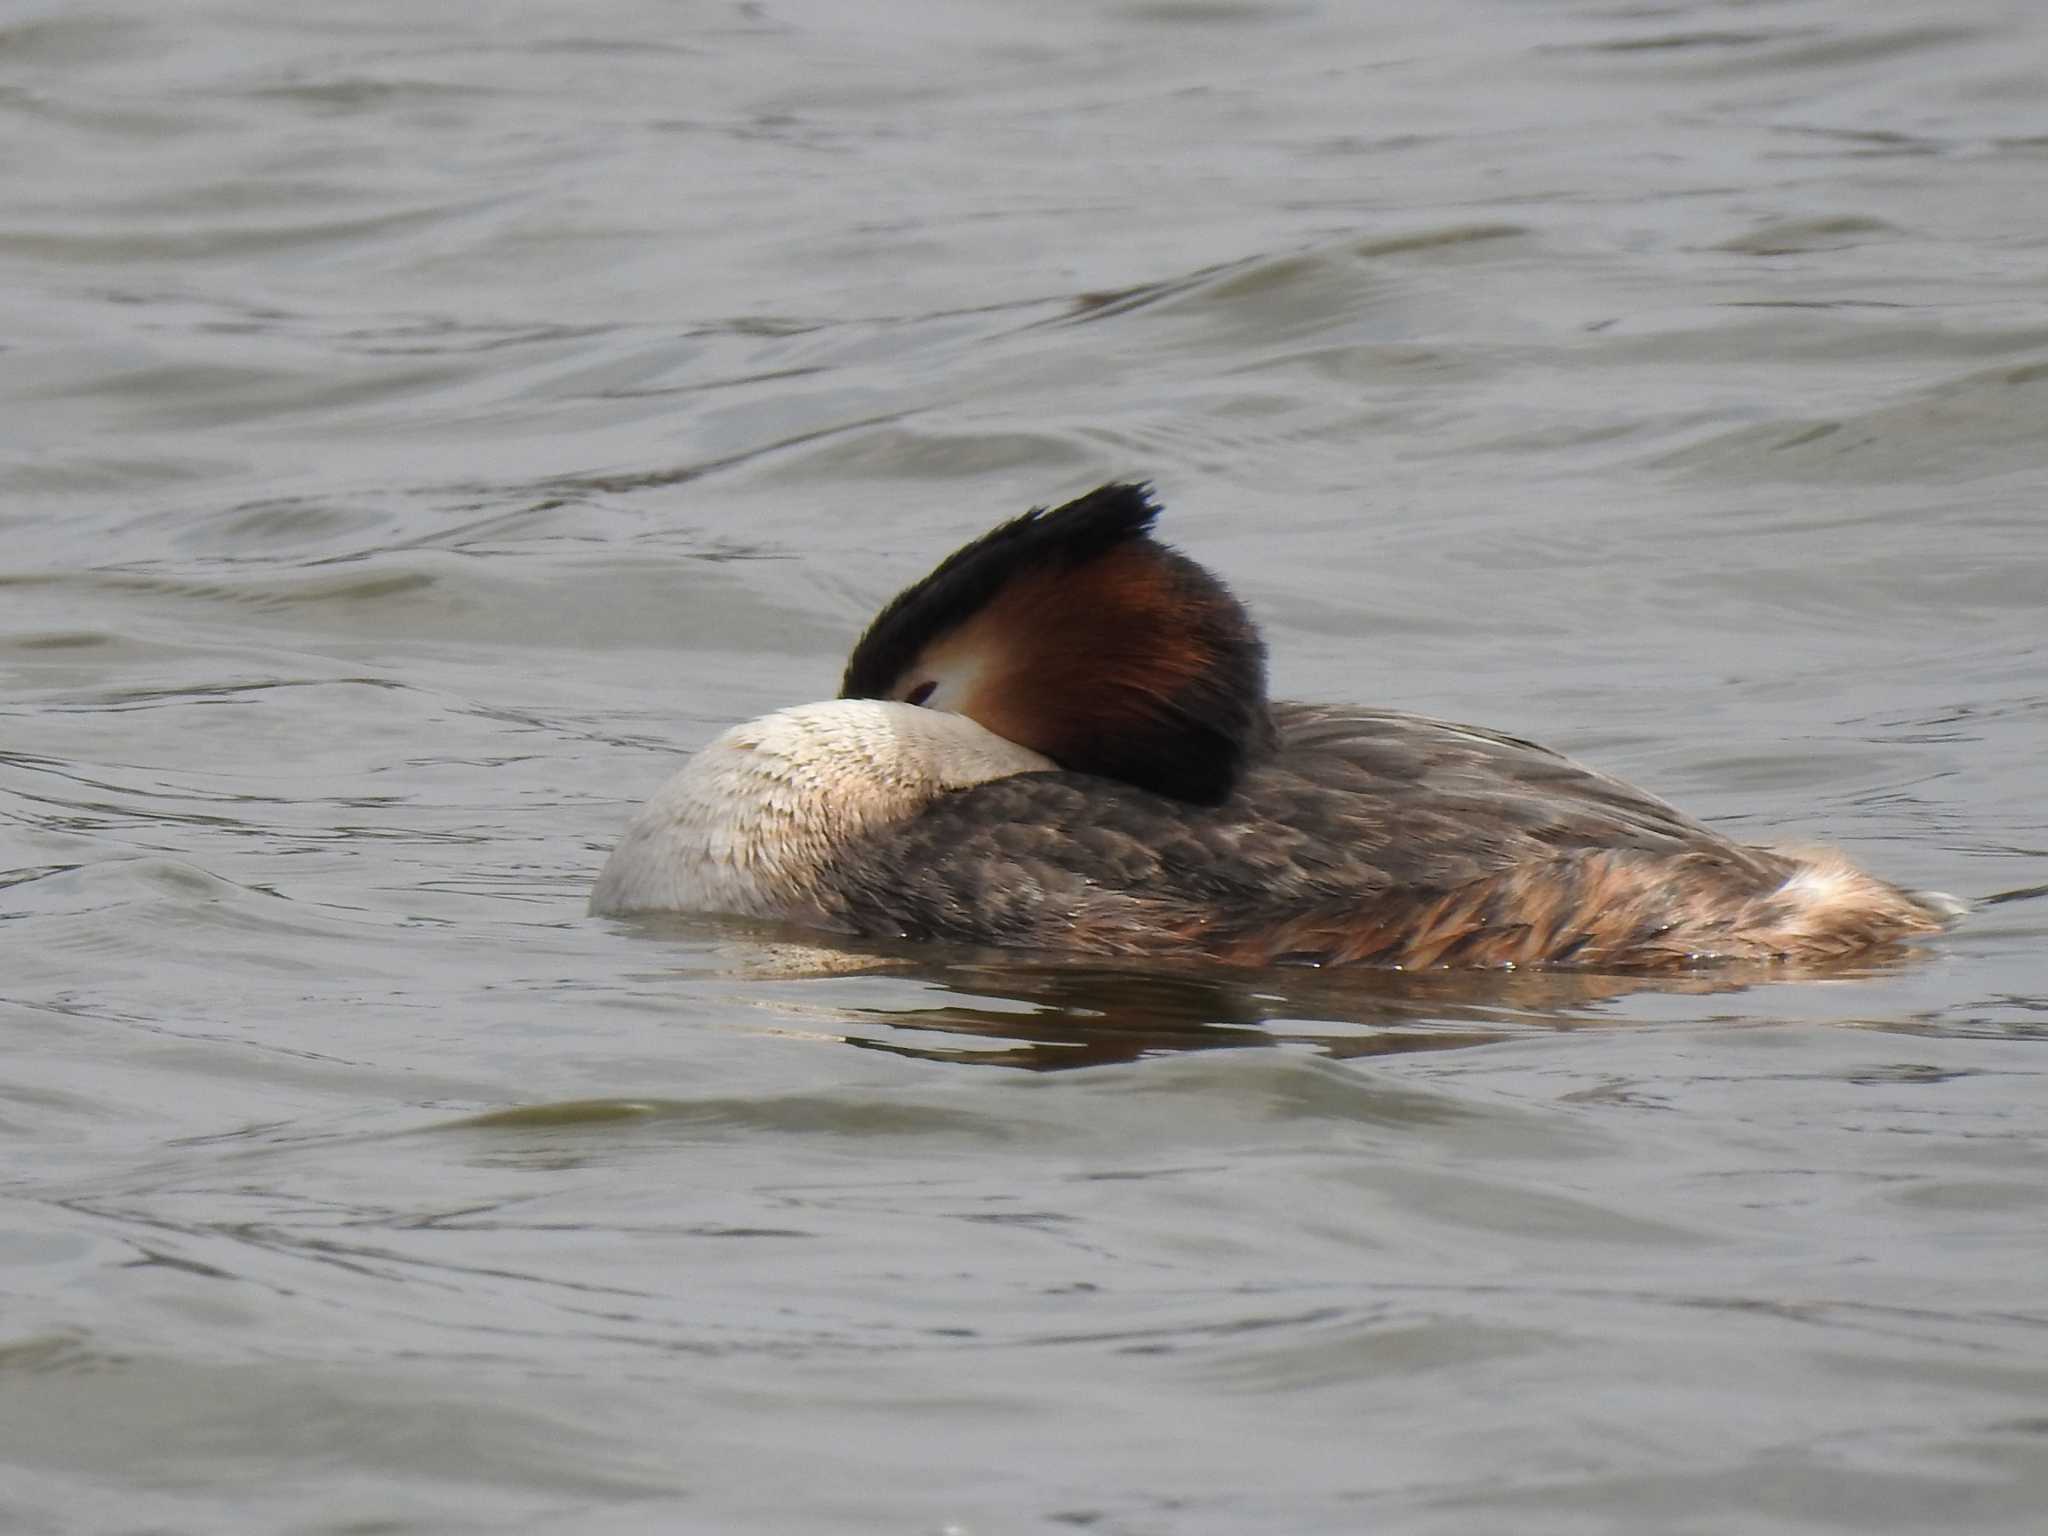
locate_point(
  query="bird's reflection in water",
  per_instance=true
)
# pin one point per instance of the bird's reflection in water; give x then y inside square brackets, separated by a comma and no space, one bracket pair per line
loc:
[1048,1012]
[1091,1015]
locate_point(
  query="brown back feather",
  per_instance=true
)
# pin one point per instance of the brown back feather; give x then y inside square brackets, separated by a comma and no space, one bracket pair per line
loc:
[1369,838]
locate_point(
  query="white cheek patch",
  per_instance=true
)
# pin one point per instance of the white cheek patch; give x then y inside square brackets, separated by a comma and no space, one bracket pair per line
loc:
[953,679]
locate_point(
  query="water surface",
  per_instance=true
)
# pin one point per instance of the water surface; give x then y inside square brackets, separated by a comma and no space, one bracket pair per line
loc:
[419,427]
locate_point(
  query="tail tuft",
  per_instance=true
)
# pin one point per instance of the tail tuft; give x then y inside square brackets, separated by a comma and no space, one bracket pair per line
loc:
[1830,907]
[1947,910]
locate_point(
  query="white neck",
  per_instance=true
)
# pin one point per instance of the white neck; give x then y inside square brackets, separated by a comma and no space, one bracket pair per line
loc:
[746,826]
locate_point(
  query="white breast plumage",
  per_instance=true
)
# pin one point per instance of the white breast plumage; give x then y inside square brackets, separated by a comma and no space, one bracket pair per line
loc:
[745,827]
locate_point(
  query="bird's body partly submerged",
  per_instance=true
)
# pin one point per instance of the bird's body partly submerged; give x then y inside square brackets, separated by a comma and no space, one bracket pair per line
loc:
[1061,739]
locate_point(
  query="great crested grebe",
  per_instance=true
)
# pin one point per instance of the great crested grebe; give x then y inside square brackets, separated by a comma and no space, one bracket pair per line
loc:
[1061,739]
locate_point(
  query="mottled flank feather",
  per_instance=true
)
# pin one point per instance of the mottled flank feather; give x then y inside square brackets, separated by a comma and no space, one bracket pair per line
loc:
[1369,838]
[1603,911]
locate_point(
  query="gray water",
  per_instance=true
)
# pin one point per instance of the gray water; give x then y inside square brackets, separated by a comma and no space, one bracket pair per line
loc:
[420,424]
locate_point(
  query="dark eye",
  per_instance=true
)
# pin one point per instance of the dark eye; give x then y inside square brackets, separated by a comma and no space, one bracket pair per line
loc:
[920,693]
